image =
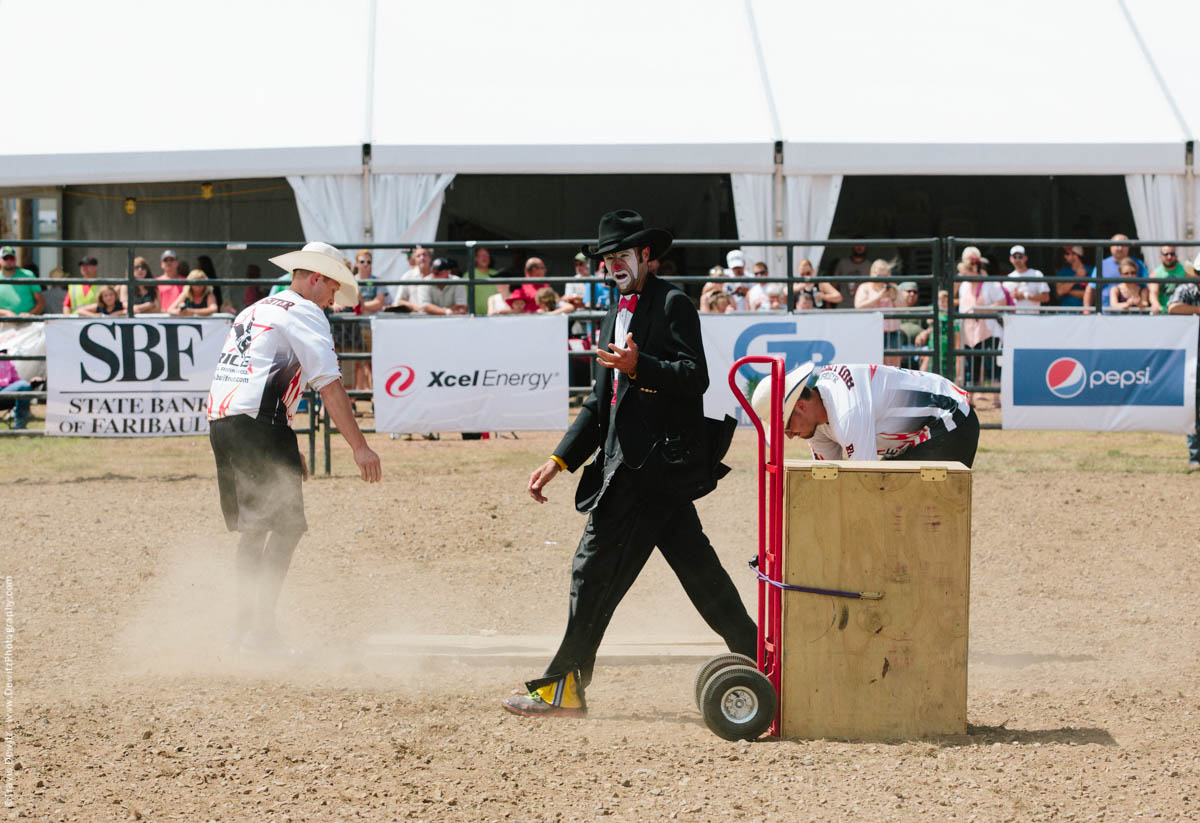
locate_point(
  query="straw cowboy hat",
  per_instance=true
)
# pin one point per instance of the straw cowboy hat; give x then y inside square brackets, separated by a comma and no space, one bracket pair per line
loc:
[323,259]
[793,383]
[624,229]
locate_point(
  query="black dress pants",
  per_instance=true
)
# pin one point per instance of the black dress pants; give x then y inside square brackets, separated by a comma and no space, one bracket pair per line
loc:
[960,443]
[621,531]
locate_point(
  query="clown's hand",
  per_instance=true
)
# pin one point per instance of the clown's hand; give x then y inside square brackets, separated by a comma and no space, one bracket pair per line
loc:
[621,359]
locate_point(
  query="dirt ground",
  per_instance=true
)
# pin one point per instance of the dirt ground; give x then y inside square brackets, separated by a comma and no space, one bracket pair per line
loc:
[1084,652]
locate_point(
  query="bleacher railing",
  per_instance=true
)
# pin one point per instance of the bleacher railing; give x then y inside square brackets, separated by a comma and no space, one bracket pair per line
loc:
[978,369]
[944,355]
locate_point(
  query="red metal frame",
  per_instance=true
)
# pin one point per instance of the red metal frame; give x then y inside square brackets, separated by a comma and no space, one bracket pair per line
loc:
[770,521]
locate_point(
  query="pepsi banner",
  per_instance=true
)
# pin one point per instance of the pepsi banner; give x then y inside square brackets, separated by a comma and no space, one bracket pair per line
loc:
[1102,373]
[823,337]
[130,377]
[470,374]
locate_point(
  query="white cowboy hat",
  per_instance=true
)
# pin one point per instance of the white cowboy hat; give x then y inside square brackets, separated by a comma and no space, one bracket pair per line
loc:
[323,259]
[793,382]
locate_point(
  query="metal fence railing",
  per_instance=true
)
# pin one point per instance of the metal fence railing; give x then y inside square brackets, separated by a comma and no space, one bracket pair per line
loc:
[977,367]
[932,265]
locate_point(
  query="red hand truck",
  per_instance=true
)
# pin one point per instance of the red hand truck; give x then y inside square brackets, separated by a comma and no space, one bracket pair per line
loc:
[739,697]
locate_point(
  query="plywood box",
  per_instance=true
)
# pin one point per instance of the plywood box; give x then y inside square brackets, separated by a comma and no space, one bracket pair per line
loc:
[887,669]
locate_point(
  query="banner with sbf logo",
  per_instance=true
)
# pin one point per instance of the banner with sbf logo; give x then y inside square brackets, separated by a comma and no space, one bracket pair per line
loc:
[1104,373]
[470,374]
[822,337]
[130,377]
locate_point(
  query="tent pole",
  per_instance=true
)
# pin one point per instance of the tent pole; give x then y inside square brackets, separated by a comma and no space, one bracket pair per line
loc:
[1189,192]
[368,217]
[369,128]
[775,256]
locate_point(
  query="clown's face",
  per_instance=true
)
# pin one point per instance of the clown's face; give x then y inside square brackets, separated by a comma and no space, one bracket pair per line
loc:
[627,268]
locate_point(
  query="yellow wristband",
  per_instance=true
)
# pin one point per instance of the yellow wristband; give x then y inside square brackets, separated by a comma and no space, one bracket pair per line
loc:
[633,375]
[561,463]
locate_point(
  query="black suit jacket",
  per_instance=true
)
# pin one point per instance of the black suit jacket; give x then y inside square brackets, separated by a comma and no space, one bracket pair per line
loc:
[657,427]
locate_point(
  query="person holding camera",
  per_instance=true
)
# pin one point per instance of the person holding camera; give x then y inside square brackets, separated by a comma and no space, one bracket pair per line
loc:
[877,293]
[713,299]
[821,294]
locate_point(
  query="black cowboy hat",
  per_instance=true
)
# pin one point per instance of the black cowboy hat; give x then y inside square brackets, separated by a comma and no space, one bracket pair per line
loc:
[624,229]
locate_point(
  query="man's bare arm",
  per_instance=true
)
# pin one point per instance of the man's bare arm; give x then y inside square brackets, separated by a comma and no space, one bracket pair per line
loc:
[342,412]
[1182,308]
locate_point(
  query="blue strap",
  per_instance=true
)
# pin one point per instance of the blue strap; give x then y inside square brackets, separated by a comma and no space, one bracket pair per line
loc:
[813,589]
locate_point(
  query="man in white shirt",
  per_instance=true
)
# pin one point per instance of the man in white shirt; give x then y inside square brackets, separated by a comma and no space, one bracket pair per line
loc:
[738,292]
[587,291]
[756,297]
[443,292]
[869,412]
[1027,296]
[275,347]
[404,297]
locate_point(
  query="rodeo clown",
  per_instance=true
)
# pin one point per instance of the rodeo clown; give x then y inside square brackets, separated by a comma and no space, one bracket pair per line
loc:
[655,454]
[862,412]
[276,347]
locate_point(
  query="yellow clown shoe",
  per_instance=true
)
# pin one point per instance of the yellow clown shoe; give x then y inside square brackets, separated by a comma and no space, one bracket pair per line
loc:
[559,696]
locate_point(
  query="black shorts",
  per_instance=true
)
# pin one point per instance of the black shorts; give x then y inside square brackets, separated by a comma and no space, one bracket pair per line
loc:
[959,444]
[259,475]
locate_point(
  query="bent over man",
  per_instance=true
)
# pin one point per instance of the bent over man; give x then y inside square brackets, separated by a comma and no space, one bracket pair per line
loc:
[276,347]
[868,412]
[655,455]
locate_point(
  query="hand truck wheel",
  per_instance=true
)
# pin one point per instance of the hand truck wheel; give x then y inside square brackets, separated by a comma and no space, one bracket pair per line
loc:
[739,703]
[714,665]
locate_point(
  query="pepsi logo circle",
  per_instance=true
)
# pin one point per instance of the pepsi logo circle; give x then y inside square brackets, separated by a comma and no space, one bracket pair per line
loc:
[1066,377]
[400,381]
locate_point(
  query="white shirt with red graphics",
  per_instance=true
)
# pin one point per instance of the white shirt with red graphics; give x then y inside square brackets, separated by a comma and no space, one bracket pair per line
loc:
[880,412]
[275,347]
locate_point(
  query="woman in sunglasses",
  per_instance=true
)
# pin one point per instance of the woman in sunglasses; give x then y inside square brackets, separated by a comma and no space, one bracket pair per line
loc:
[145,295]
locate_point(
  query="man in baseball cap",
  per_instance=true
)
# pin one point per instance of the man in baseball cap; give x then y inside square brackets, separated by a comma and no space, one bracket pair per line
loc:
[1028,295]
[18,299]
[869,412]
[1077,292]
[443,292]
[735,263]
[276,348]
[168,262]
[82,294]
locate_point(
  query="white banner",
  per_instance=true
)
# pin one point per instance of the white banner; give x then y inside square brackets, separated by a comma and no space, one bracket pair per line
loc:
[130,377]
[823,337]
[470,374]
[1100,373]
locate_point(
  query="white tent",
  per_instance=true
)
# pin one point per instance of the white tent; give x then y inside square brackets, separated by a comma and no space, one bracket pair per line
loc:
[931,79]
[128,91]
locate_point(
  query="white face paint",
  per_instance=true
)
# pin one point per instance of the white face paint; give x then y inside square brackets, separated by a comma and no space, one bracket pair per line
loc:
[623,268]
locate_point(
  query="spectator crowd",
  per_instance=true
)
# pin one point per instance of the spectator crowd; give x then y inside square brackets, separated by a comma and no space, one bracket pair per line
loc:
[435,286]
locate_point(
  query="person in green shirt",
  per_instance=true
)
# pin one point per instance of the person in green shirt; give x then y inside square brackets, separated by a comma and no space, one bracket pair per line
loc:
[282,283]
[947,337]
[1160,293]
[18,299]
[483,270]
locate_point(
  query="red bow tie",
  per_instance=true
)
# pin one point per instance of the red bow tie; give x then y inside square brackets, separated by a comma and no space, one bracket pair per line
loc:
[629,302]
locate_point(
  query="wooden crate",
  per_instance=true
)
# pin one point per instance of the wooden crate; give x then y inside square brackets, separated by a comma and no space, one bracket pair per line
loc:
[888,669]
